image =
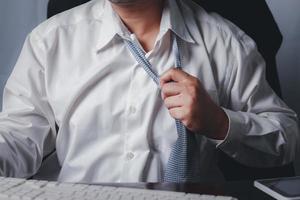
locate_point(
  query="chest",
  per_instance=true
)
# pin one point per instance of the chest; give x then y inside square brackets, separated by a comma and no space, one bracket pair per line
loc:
[105,84]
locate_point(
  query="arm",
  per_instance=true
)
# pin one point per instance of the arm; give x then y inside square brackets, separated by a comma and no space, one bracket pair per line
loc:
[27,125]
[263,131]
[259,130]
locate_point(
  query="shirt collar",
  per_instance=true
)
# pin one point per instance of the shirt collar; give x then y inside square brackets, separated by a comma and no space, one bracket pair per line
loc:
[172,19]
[111,24]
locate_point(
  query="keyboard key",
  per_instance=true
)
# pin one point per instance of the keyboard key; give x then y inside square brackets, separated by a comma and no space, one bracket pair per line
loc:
[21,189]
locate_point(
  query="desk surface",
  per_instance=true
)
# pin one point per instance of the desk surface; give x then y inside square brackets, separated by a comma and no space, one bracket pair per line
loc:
[243,190]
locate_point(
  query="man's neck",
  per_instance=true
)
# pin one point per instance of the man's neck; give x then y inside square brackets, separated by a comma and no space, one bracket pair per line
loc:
[143,19]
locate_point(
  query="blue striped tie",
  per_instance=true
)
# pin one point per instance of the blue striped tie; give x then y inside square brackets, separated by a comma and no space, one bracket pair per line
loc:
[180,164]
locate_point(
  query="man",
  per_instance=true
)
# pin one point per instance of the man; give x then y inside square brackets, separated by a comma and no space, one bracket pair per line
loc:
[80,71]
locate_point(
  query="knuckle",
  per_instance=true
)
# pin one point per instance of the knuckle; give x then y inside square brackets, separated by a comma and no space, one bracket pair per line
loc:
[163,88]
[172,113]
[166,103]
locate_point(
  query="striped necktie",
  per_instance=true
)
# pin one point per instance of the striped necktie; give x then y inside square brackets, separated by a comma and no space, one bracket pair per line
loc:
[180,163]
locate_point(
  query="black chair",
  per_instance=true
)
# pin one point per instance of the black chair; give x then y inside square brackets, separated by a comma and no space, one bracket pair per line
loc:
[57,6]
[255,18]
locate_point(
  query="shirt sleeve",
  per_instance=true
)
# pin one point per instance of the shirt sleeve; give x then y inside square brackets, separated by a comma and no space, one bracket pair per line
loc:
[27,125]
[263,131]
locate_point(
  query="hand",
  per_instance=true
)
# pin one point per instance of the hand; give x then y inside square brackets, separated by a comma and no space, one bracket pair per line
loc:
[188,101]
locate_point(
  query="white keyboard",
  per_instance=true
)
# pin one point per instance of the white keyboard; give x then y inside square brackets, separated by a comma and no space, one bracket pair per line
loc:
[14,189]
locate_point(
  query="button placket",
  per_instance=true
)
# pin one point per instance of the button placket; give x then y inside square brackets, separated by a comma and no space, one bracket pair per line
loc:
[129,156]
[132,109]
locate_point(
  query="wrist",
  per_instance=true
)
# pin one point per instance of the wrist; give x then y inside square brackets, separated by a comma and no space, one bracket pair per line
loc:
[218,125]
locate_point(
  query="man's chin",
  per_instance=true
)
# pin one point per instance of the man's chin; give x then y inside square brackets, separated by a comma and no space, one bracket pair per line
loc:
[124,3]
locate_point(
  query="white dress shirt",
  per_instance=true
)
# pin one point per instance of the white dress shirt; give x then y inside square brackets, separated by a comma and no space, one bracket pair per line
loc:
[76,71]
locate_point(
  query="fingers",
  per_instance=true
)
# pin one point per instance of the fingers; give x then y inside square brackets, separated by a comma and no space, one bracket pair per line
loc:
[173,74]
[180,114]
[170,89]
[177,113]
[174,101]
[183,95]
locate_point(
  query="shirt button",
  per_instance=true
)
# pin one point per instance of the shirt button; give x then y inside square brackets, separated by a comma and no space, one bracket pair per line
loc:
[129,156]
[132,109]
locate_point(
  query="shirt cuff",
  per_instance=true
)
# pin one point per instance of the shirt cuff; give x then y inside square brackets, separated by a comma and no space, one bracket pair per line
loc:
[215,141]
[235,132]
